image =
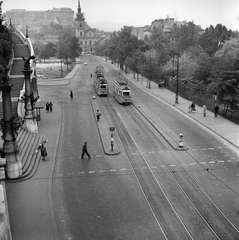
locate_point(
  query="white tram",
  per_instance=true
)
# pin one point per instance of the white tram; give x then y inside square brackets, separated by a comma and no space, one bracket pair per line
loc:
[101,84]
[122,92]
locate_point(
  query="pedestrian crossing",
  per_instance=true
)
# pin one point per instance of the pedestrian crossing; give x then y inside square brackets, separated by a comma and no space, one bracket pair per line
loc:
[156,168]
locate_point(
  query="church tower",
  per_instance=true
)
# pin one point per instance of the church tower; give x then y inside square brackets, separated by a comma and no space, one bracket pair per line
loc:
[80,23]
[79,15]
[86,35]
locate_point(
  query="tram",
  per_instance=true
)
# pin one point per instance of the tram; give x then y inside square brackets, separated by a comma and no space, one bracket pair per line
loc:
[101,84]
[122,92]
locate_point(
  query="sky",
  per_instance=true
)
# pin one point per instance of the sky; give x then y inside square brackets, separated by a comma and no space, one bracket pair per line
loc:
[115,14]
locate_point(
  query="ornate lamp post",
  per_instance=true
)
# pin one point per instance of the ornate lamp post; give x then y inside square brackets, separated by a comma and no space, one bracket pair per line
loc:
[9,126]
[30,118]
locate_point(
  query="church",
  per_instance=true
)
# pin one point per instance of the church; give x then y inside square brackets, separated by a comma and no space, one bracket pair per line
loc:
[87,36]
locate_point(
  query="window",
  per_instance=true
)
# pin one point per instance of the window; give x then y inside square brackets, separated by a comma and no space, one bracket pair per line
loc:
[80,33]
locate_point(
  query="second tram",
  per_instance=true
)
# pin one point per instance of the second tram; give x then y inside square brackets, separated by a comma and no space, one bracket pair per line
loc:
[122,92]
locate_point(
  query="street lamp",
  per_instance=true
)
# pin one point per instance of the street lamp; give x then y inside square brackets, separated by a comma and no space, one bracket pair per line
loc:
[9,125]
[30,119]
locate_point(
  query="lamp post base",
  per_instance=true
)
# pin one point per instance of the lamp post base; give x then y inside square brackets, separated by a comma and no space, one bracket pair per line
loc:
[31,125]
[14,165]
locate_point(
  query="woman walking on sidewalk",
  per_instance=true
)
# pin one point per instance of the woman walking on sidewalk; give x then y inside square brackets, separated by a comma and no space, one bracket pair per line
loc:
[204,110]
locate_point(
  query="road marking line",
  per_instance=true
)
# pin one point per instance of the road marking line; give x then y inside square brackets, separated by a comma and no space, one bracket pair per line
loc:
[70,174]
[91,171]
[102,171]
[112,170]
[202,163]
[81,172]
[211,161]
[154,167]
[123,169]
[133,153]
[230,160]
[144,167]
[98,155]
[151,152]
[192,163]
[172,165]
[194,149]
[162,166]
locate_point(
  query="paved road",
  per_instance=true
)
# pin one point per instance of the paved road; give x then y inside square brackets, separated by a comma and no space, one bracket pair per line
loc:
[100,198]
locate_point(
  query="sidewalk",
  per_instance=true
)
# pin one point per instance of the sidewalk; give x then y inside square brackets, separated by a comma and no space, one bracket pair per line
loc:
[226,129]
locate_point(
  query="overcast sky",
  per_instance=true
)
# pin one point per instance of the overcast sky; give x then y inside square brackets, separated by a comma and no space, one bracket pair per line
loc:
[142,12]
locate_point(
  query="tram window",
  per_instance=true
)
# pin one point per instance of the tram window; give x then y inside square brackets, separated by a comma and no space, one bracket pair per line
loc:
[103,86]
[126,93]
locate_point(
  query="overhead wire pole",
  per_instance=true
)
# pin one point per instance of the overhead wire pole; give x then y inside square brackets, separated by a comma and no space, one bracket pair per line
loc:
[177,71]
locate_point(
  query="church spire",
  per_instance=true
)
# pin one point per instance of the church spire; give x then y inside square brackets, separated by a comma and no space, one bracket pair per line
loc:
[79,14]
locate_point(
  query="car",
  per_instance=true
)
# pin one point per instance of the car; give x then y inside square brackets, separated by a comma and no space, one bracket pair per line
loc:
[85,63]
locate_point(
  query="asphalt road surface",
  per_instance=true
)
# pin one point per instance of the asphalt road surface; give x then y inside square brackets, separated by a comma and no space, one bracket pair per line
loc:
[148,191]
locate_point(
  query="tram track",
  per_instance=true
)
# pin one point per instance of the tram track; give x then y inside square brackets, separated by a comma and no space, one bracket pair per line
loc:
[176,192]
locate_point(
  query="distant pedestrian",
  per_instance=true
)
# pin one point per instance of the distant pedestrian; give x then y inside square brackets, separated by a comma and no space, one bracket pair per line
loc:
[47,106]
[50,106]
[189,108]
[216,109]
[204,110]
[98,115]
[91,75]
[84,151]
[71,94]
[193,108]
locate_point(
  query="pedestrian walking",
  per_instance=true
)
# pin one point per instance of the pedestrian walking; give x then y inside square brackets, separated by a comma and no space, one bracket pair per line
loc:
[204,110]
[189,108]
[47,106]
[216,109]
[98,115]
[91,75]
[84,151]
[42,148]
[71,94]
[193,108]
[50,106]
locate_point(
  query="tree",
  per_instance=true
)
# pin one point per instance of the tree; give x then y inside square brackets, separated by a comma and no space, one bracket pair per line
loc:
[224,80]
[136,62]
[68,45]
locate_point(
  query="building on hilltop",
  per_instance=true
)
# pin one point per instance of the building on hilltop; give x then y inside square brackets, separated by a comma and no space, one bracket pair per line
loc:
[87,36]
[31,19]
[167,26]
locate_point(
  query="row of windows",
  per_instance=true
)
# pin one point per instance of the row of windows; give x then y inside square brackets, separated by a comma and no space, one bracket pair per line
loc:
[86,43]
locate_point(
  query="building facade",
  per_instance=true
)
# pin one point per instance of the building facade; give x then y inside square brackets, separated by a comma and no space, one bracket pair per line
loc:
[31,19]
[167,26]
[87,36]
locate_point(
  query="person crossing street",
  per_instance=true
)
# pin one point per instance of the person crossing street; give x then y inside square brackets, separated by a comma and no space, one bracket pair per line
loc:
[85,151]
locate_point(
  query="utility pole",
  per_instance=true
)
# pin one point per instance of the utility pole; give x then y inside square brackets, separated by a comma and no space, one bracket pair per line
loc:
[177,84]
